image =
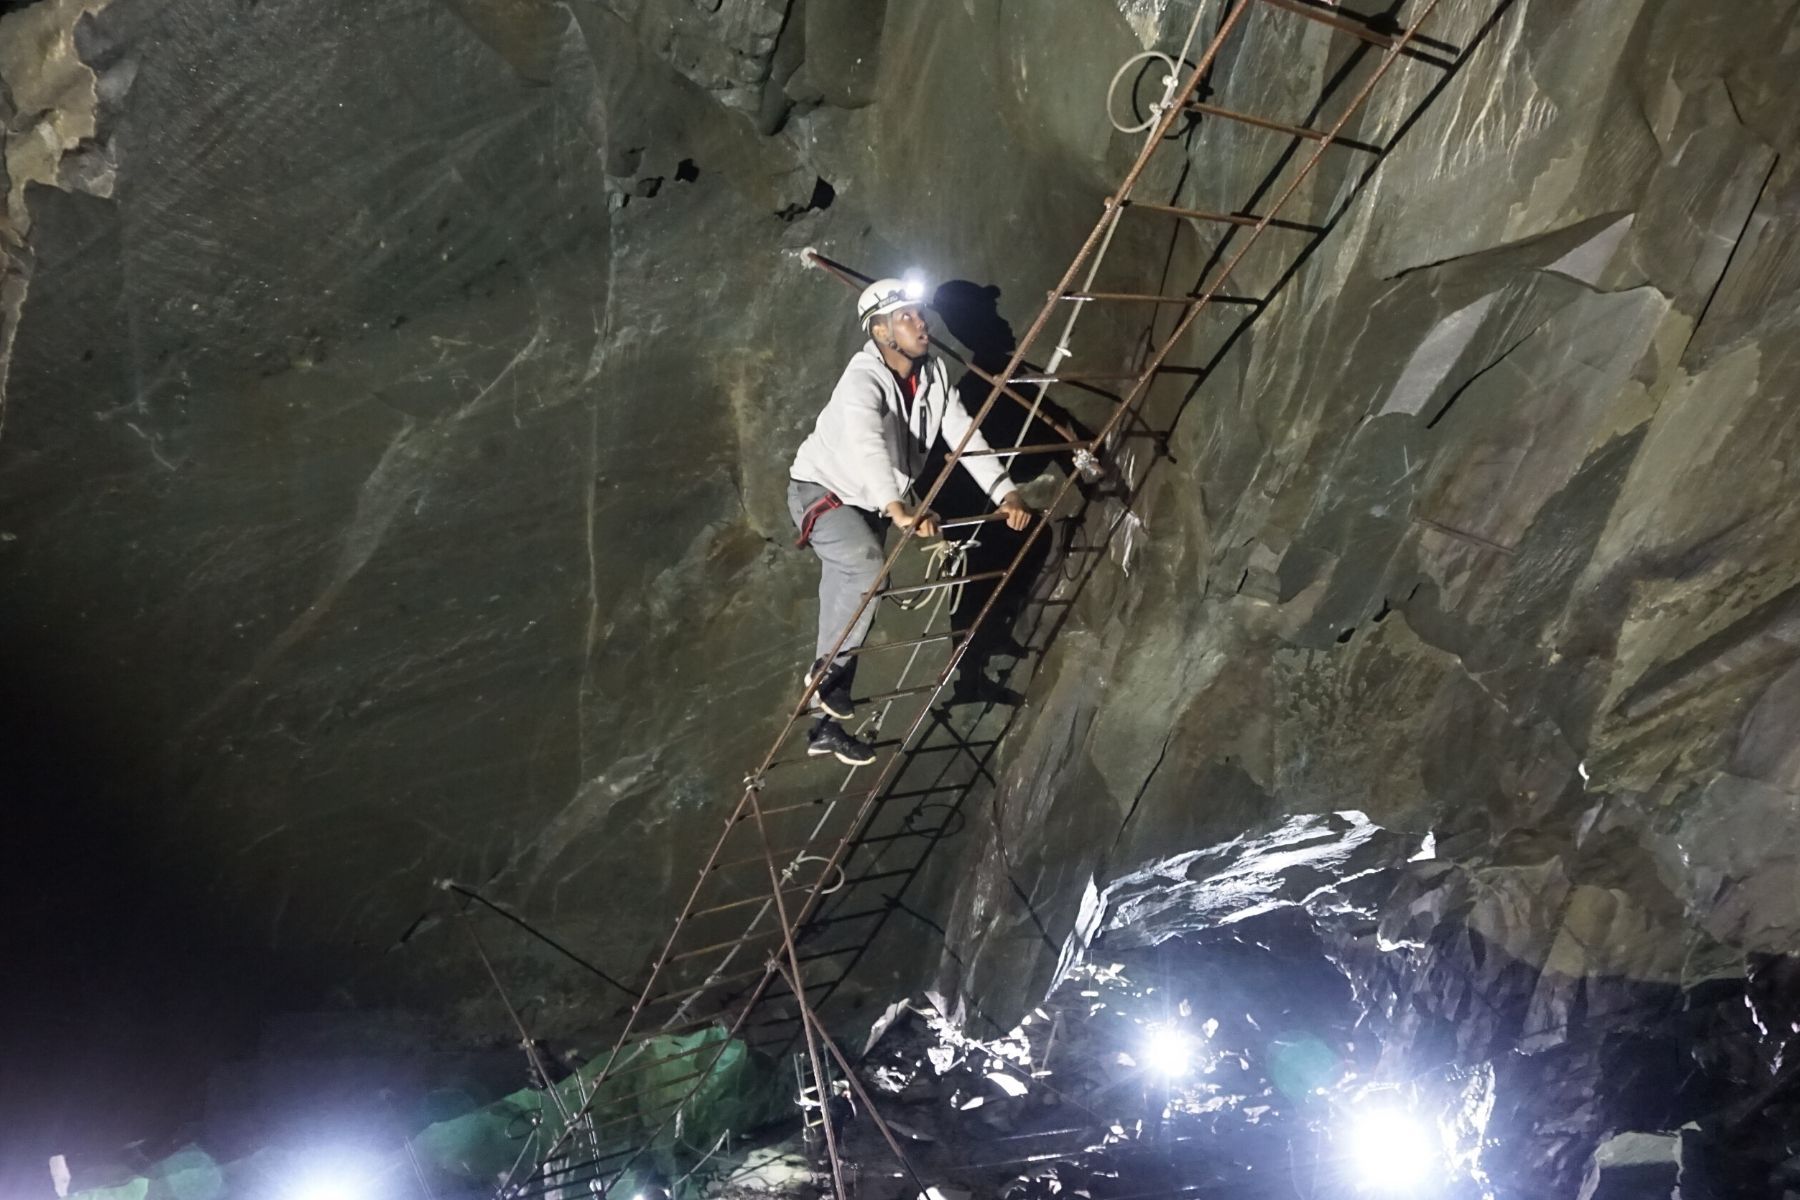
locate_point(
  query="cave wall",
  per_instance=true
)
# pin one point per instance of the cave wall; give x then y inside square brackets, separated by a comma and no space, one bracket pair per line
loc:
[395,421]
[397,414]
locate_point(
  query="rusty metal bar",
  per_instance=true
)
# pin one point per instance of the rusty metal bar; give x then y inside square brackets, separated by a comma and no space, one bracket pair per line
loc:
[927,640]
[815,1028]
[938,584]
[759,898]
[803,805]
[794,975]
[708,986]
[1299,131]
[964,522]
[1148,298]
[1247,220]
[1040,448]
[740,940]
[744,862]
[897,694]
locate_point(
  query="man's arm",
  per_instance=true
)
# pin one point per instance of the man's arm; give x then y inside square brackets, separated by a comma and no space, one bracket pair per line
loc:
[985,470]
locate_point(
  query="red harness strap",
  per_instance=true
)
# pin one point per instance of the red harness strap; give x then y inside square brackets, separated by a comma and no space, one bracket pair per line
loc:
[814,511]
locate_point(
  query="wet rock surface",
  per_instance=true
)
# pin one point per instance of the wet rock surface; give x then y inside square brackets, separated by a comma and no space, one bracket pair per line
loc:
[395,412]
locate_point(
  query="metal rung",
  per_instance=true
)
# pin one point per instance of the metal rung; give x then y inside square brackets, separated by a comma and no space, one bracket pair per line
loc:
[920,641]
[637,1068]
[1356,29]
[1120,378]
[899,694]
[965,522]
[700,1074]
[725,945]
[1299,131]
[781,810]
[1040,448]
[707,986]
[759,898]
[687,1025]
[777,855]
[1151,298]
[1248,220]
[942,583]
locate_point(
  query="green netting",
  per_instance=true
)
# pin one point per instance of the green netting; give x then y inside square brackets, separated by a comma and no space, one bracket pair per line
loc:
[188,1174]
[739,1091]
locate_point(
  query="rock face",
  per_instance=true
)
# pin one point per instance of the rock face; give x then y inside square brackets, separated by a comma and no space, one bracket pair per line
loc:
[396,409]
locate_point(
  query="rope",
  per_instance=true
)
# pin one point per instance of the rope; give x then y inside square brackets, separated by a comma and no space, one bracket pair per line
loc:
[1170,82]
[1085,462]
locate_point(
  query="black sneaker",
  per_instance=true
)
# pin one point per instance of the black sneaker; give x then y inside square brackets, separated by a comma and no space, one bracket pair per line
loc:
[834,690]
[828,737]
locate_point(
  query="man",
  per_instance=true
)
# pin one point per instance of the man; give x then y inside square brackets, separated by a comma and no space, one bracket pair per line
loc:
[857,466]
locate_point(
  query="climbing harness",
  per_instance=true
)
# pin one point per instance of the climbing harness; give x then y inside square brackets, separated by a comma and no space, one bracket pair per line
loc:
[810,517]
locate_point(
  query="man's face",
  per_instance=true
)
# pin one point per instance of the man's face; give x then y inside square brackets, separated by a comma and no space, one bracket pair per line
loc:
[906,326]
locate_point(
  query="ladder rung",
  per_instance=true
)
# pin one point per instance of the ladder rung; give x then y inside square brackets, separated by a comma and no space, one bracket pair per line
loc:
[1091,379]
[965,522]
[1040,448]
[939,584]
[637,1067]
[760,897]
[726,945]
[705,987]
[1244,219]
[900,693]
[715,1019]
[910,642]
[1355,29]
[1150,298]
[1299,131]
[781,810]
[778,855]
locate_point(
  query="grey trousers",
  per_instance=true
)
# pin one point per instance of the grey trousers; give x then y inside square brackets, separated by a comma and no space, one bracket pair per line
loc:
[848,541]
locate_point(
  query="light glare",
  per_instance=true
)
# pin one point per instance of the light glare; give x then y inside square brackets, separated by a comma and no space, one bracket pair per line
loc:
[914,284]
[326,1186]
[1167,1051]
[1392,1150]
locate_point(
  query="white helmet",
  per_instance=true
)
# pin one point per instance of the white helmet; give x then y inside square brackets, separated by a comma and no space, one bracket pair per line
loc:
[888,295]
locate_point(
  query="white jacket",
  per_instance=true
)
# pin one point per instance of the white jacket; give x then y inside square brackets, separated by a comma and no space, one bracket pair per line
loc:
[864,449]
